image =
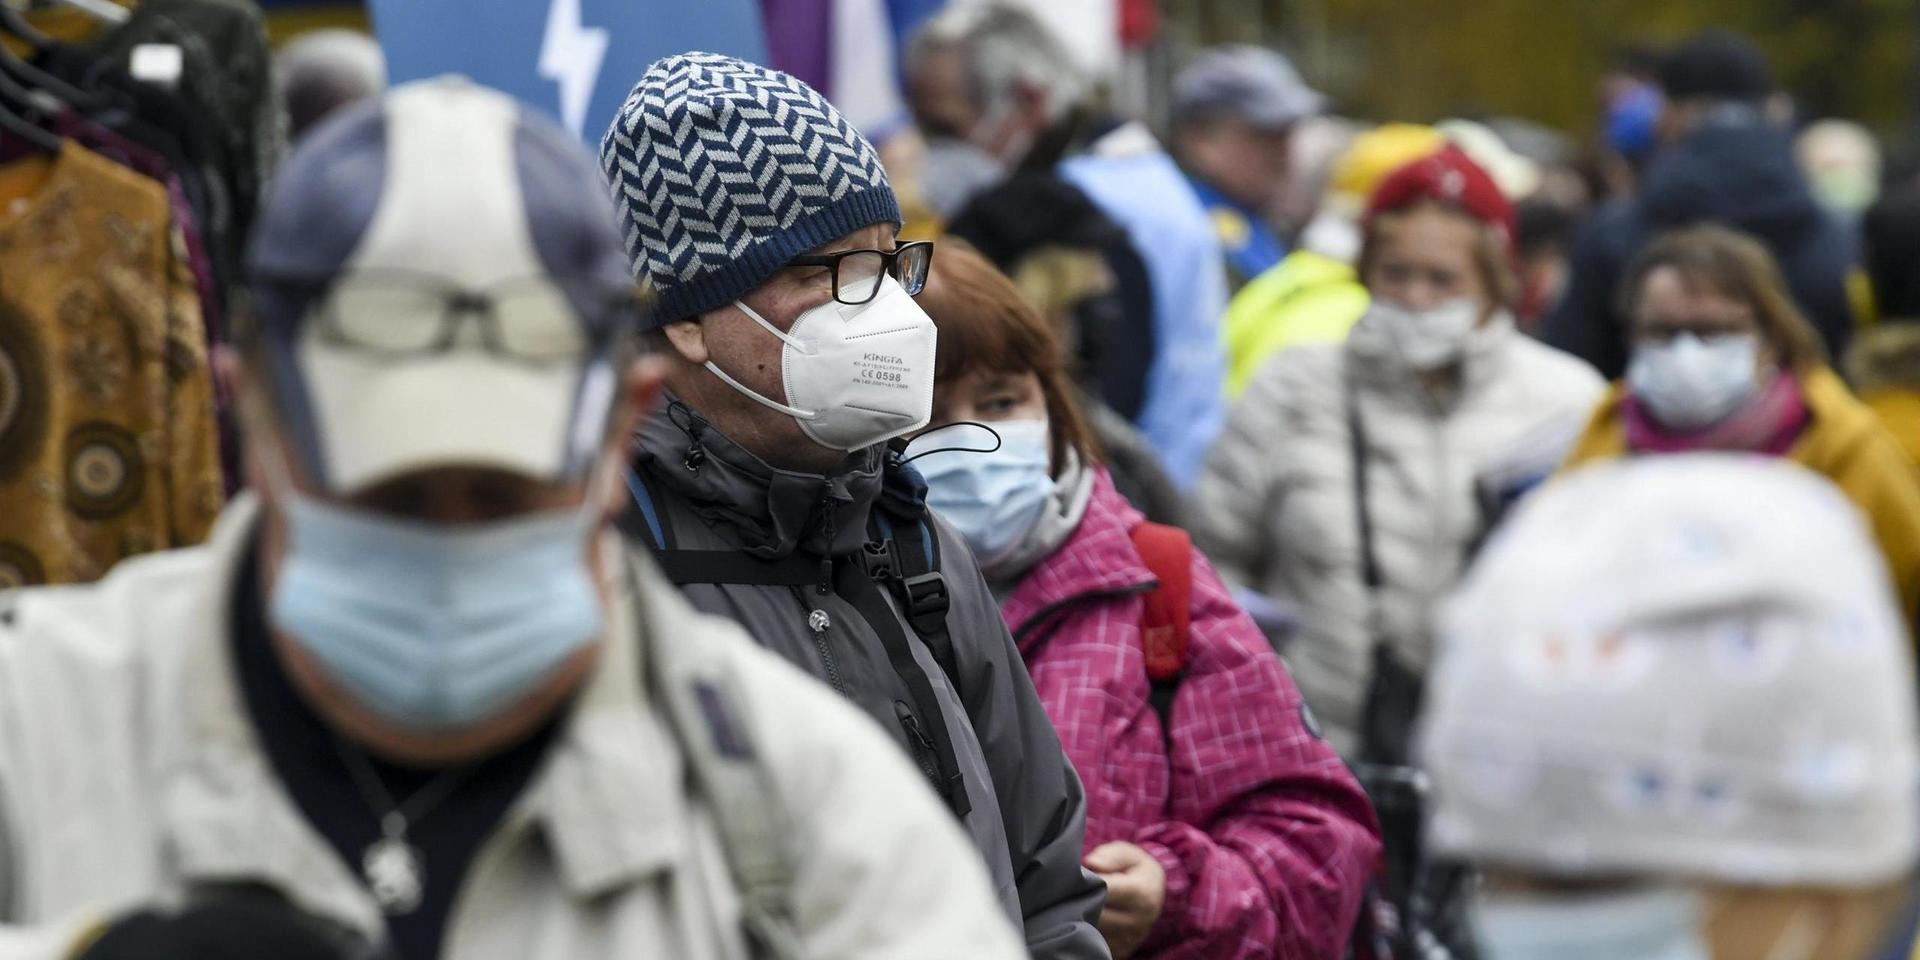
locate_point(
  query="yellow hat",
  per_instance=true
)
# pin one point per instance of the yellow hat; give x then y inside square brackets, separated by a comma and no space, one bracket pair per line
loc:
[1379,152]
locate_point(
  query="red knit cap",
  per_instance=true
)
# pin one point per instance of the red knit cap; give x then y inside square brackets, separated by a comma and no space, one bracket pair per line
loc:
[1449,177]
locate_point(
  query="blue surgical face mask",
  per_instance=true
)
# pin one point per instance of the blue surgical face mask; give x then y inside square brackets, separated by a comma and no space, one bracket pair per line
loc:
[433,627]
[1689,383]
[993,499]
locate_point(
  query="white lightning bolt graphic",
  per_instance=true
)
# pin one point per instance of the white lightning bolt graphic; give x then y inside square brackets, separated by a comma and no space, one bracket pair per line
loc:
[571,56]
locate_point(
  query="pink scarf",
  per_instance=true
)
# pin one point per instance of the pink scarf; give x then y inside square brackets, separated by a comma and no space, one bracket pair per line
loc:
[1768,424]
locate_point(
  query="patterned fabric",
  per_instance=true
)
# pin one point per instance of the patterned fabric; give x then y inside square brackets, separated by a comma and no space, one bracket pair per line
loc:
[1736,705]
[1267,841]
[107,437]
[723,170]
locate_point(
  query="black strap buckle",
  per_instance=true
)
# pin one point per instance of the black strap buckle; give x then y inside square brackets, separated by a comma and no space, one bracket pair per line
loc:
[879,561]
[926,595]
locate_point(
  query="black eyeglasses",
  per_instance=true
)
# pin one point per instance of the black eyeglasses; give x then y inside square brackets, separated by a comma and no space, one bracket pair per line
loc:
[400,314]
[856,273]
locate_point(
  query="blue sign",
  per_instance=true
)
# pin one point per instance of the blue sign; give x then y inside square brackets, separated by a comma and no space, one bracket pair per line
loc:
[576,59]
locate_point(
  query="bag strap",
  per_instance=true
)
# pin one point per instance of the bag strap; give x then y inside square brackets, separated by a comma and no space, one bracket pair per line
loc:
[1383,684]
[859,588]
[1166,620]
[701,697]
[731,566]
[1363,511]
[922,596]
[649,523]
[919,587]
[645,519]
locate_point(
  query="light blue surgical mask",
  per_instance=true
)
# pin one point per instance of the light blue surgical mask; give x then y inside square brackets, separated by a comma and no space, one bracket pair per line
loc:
[1654,924]
[995,498]
[1689,383]
[436,627]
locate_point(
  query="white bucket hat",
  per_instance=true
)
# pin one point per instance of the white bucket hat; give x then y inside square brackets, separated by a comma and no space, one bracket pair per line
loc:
[1683,666]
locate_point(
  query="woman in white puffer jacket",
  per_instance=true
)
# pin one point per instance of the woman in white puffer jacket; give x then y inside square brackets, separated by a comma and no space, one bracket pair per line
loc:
[1435,403]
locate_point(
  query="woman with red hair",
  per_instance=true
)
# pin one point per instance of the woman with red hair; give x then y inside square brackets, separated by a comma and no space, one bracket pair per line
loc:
[1226,829]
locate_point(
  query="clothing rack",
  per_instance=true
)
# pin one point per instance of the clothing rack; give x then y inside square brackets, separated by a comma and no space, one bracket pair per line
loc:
[105,10]
[133,143]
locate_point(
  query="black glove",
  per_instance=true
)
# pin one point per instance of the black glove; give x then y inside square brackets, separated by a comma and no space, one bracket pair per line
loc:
[232,923]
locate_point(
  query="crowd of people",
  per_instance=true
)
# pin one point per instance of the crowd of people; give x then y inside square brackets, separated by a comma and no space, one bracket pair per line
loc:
[1275,536]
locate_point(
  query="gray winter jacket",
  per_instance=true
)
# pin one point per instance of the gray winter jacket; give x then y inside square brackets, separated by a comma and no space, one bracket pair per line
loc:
[1027,811]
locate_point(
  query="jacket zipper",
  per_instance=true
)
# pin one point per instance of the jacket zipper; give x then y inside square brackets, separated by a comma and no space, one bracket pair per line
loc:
[826,661]
[918,739]
[825,507]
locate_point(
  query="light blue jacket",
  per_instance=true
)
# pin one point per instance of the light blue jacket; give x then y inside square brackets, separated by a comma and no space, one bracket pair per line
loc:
[1136,183]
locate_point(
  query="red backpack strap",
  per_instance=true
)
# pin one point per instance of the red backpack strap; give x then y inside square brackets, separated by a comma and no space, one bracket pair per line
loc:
[1167,621]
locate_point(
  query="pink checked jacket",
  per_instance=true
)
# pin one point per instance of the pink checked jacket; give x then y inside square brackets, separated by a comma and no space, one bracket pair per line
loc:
[1267,841]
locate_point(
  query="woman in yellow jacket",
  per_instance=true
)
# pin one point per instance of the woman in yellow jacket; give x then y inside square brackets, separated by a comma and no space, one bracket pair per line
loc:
[1723,360]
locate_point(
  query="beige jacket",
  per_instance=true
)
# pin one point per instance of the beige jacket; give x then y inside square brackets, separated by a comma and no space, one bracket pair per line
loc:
[129,775]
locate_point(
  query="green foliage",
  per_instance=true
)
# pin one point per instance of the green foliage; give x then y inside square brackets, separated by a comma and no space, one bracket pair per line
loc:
[1543,59]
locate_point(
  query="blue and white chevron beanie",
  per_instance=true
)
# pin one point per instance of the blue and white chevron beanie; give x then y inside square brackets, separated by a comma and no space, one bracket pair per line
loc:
[724,170]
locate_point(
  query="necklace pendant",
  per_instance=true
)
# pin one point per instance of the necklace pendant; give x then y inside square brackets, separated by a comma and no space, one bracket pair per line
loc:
[394,874]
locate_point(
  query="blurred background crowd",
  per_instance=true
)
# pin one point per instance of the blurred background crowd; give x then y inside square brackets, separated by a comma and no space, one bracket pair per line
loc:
[1542,380]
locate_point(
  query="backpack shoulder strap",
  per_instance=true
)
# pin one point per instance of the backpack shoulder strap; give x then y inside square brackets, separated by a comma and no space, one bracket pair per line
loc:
[645,522]
[649,523]
[700,696]
[1167,620]
[920,587]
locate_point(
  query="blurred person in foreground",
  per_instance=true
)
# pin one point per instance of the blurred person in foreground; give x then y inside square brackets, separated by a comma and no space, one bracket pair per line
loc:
[1673,718]
[1224,826]
[1349,479]
[1314,295]
[1723,361]
[1725,157]
[993,75]
[320,72]
[1234,112]
[767,486]
[1883,363]
[415,700]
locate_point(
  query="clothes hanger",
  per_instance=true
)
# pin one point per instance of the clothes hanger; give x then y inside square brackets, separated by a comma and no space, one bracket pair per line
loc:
[17,124]
[104,11]
[15,24]
[69,96]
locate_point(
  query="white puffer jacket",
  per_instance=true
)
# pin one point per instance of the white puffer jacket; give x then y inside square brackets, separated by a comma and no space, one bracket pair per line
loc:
[1277,510]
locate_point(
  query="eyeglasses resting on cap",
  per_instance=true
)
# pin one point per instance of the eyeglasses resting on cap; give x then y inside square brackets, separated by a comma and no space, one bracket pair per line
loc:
[400,314]
[856,273]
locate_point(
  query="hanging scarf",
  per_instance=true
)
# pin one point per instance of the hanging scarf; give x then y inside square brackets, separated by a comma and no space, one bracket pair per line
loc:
[1769,424]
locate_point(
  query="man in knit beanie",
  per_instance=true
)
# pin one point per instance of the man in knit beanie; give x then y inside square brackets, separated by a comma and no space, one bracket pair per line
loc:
[767,486]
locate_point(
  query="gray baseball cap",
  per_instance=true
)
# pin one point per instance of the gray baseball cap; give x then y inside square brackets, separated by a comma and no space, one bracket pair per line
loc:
[398,210]
[1254,85]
